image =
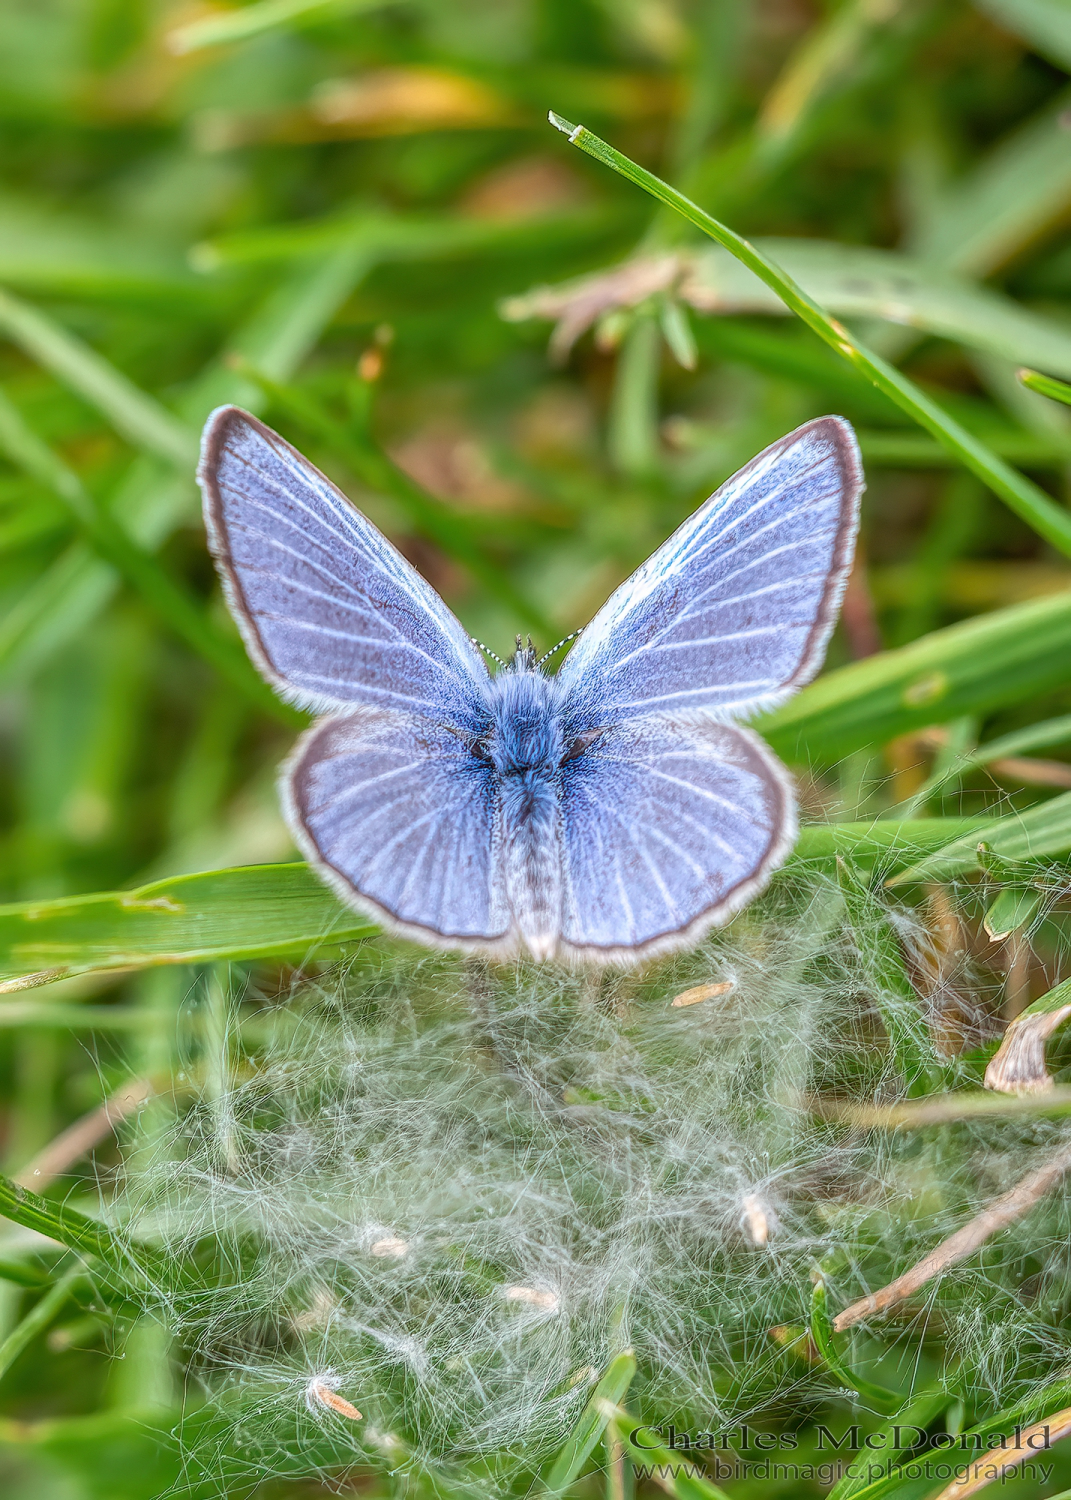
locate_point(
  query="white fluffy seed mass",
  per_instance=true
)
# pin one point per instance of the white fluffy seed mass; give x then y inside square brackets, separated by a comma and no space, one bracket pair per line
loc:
[449,1194]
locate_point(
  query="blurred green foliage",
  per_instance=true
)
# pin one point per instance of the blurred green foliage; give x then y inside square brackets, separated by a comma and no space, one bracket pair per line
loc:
[318,210]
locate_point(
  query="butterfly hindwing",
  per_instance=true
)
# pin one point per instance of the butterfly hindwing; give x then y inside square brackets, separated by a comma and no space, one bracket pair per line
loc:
[331,612]
[401,820]
[668,829]
[732,614]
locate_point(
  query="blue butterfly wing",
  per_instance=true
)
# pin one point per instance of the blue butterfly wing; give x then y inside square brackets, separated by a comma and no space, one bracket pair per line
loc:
[732,614]
[330,611]
[668,829]
[399,817]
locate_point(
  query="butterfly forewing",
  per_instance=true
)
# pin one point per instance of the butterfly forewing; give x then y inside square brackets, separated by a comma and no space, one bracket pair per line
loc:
[400,819]
[331,612]
[668,829]
[734,611]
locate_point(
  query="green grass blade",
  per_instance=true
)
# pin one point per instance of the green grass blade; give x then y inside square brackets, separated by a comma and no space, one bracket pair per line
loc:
[68,254]
[674,1468]
[287,327]
[1008,199]
[822,1334]
[1034,834]
[909,450]
[1054,1000]
[285,911]
[1045,385]
[924,1409]
[261,910]
[1042,23]
[276,338]
[851,281]
[1019,493]
[1014,908]
[1018,1067]
[139,418]
[76,1017]
[829,51]
[1034,737]
[85,1236]
[37,1319]
[990,660]
[575,1453]
[21,1274]
[398,237]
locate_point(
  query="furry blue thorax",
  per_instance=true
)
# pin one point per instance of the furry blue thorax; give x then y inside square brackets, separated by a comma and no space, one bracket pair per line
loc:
[526,730]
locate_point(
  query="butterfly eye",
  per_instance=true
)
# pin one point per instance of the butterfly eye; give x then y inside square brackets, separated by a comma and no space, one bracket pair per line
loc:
[580,744]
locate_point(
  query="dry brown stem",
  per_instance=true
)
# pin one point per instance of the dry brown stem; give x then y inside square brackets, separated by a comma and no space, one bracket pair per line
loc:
[1032,771]
[995,1216]
[999,1464]
[73,1143]
[937,1109]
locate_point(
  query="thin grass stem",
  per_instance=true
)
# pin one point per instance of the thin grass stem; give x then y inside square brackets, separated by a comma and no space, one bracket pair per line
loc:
[1020,494]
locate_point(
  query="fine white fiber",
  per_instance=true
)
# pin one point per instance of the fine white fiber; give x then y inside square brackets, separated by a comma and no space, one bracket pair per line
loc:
[450,1193]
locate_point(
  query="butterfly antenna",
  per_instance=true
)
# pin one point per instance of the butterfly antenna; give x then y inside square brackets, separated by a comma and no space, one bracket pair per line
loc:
[486,650]
[563,642]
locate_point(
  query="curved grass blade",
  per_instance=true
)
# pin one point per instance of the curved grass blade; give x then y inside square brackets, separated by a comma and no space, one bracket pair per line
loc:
[822,1334]
[276,338]
[990,660]
[1020,494]
[924,1409]
[592,1424]
[258,911]
[38,1318]
[673,1472]
[19,1273]
[1018,1066]
[856,281]
[1034,737]
[1042,23]
[129,1265]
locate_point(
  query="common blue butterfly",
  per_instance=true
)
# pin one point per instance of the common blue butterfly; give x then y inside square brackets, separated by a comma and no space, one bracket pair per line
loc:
[610,812]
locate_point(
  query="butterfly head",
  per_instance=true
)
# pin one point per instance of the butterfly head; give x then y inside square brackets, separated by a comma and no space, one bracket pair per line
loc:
[524,657]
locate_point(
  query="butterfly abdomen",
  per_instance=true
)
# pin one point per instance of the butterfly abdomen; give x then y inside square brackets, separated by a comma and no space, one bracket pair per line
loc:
[526,750]
[531,845]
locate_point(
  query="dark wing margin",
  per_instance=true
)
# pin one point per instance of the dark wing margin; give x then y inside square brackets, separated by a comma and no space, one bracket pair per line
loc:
[331,613]
[733,613]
